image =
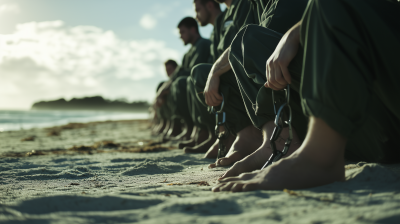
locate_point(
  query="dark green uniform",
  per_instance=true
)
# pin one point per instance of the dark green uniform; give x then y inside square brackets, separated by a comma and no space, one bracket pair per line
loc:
[249,54]
[198,109]
[239,14]
[163,112]
[177,99]
[347,72]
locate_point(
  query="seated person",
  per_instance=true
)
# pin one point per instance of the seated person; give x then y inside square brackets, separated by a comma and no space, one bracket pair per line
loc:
[238,127]
[203,135]
[278,16]
[349,84]
[159,108]
[175,89]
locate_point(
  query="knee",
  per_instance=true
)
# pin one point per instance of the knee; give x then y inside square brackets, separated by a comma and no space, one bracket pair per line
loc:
[199,75]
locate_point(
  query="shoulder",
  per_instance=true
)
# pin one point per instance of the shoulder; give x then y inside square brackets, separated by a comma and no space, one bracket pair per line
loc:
[203,42]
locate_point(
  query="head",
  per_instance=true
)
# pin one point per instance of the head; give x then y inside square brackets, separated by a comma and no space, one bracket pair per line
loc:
[203,10]
[188,30]
[170,67]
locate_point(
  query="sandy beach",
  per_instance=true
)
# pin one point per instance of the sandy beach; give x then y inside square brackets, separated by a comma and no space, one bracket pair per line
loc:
[114,172]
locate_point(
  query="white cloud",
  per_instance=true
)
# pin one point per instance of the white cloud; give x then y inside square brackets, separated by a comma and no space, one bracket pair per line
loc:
[9,8]
[148,21]
[46,60]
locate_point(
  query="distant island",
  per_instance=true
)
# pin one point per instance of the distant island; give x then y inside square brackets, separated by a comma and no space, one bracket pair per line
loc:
[91,103]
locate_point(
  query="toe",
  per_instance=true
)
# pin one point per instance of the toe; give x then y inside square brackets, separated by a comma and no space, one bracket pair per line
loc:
[227,187]
[251,187]
[228,179]
[212,165]
[237,187]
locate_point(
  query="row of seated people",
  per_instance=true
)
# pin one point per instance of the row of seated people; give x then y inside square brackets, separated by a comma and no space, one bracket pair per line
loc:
[285,91]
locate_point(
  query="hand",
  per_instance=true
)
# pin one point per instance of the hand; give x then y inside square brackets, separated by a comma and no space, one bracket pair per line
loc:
[278,76]
[211,93]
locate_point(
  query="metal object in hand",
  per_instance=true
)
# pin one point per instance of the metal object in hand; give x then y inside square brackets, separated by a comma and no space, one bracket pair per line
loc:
[276,154]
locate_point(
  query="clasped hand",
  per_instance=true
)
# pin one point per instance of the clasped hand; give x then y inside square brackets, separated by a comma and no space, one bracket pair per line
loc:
[278,76]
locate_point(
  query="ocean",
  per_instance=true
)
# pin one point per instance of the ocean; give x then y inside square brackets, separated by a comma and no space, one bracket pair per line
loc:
[22,120]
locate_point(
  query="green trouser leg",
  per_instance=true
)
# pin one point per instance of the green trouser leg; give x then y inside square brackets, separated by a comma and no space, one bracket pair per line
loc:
[178,100]
[199,113]
[351,76]
[162,112]
[236,115]
[249,52]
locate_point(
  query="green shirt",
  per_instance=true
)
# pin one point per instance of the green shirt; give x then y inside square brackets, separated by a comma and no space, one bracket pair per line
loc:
[280,15]
[228,24]
[198,53]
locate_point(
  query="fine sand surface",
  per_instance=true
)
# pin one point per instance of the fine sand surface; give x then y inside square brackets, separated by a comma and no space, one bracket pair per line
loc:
[113,172]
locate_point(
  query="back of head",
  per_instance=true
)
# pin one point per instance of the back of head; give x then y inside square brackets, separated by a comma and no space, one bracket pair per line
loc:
[171,62]
[203,2]
[170,66]
[189,22]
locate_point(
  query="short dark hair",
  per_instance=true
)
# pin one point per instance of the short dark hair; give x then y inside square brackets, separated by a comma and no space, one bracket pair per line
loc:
[189,22]
[171,62]
[203,2]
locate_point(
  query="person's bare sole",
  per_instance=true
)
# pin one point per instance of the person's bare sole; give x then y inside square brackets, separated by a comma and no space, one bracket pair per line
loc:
[246,142]
[260,156]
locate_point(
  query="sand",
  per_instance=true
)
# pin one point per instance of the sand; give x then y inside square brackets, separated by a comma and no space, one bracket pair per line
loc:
[112,172]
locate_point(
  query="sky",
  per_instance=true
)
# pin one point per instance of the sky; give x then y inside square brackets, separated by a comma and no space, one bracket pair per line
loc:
[51,49]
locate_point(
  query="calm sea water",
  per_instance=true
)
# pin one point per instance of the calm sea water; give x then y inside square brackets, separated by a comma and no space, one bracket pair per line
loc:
[17,120]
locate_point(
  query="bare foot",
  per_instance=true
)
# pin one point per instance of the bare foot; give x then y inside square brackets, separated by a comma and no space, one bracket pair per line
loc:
[319,161]
[246,142]
[259,157]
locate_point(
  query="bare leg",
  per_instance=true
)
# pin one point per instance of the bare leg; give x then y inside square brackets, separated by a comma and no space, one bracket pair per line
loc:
[319,161]
[246,142]
[260,156]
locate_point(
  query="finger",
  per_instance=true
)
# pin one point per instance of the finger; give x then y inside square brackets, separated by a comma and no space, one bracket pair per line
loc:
[214,100]
[207,98]
[279,79]
[286,74]
[218,96]
[271,86]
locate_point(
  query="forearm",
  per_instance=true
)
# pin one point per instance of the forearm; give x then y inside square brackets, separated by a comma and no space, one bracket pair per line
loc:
[294,33]
[222,65]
